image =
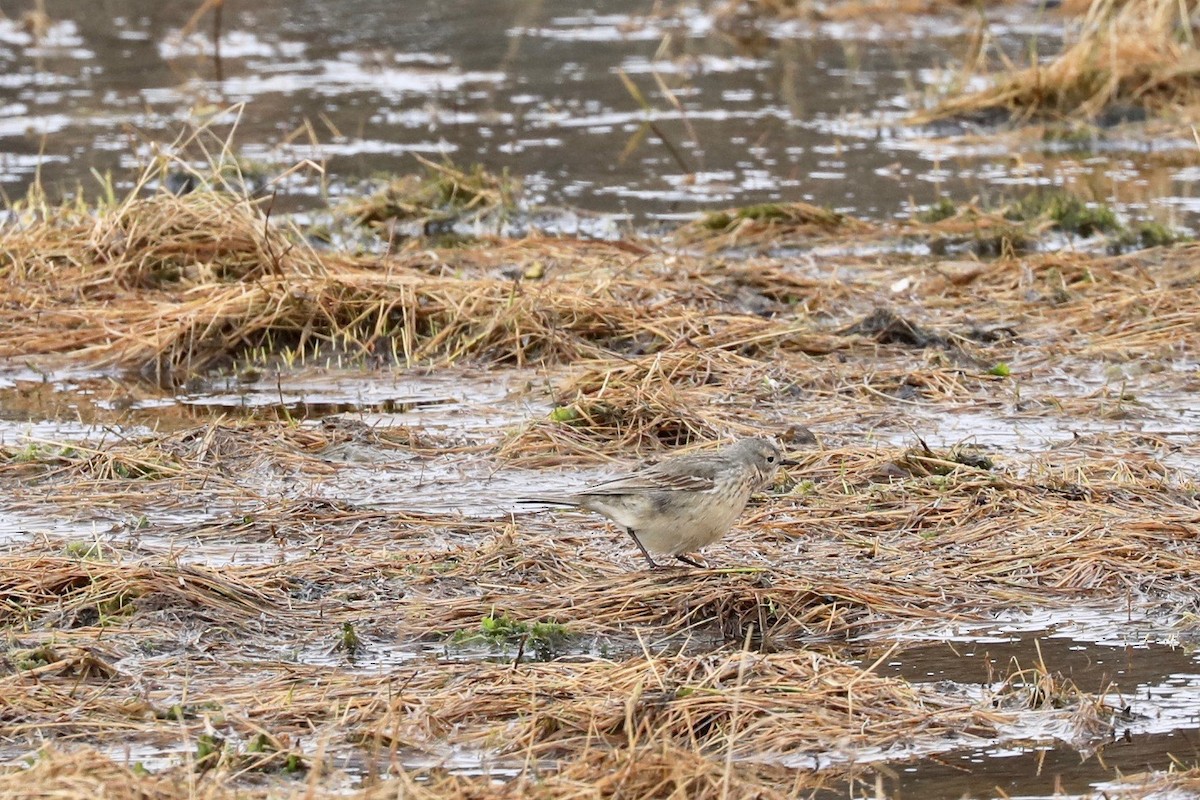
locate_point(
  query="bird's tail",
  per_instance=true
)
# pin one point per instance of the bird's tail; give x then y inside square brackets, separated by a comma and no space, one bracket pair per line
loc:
[547,500]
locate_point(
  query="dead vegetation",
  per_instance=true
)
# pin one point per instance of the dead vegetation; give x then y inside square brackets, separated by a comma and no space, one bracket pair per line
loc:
[124,305]
[366,643]
[735,15]
[173,286]
[1118,56]
[434,205]
[753,224]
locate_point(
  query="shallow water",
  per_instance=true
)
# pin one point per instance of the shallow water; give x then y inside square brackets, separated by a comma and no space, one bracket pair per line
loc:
[1131,659]
[801,111]
[538,92]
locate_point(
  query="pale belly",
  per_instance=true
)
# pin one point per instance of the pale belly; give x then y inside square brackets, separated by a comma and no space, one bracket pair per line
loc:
[671,522]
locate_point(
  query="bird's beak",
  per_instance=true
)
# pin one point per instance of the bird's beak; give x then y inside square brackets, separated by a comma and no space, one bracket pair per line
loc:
[789,462]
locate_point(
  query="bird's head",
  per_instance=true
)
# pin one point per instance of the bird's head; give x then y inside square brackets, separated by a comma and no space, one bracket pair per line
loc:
[763,456]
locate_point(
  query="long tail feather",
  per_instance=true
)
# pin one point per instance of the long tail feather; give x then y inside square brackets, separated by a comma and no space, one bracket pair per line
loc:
[543,500]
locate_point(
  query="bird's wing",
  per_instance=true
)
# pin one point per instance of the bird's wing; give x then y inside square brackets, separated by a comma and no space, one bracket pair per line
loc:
[666,477]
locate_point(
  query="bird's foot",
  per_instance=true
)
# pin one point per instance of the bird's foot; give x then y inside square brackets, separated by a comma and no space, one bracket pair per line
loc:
[653,564]
[691,562]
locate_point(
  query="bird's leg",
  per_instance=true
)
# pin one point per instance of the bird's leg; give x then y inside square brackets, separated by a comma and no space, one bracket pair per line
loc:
[692,561]
[645,552]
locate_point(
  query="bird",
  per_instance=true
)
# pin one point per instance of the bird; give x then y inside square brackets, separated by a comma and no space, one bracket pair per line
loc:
[682,504]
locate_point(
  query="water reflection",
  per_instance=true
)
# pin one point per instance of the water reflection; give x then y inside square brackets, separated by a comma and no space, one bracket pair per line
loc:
[805,111]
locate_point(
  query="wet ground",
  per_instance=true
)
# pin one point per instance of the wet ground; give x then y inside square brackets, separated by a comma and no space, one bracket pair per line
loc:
[374,495]
[805,110]
[1136,658]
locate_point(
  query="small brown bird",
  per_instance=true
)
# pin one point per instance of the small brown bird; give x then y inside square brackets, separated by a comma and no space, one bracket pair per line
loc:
[684,503]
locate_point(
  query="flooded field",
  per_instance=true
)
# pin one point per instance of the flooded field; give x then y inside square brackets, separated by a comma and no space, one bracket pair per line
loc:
[270,400]
[728,110]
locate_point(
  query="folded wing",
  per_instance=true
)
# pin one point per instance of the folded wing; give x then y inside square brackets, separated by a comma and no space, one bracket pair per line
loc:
[662,478]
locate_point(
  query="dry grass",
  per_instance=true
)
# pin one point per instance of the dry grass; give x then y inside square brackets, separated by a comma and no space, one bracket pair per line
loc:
[653,771]
[442,199]
[733,13]
[177,304]
[379,636]
[80,592]
[173,286]
[753,225]
[1135,53]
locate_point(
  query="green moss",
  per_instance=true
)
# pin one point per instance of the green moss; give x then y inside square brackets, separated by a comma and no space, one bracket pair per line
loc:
[944,208]
[564,414]
[765,212]
[208,750]
[177,712]
[260,744]
[1067,212]
[1147,234]
[440,196]
[119,605]
[543,639]
[716,221]
[36,453]
[89,551]
[1155,234]
[1000,370]
[972,458]
[349,641]
[501,628]
[32,659]
[459,190]
[803,488]
[137,470]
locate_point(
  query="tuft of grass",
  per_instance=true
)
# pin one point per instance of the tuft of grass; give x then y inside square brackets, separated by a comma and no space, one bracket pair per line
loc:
[972,458]
[209,748]
[544,638]
[749,224]
[38,453]
[564,414]
[716,221]
[437,200]
[92,551]
[348,641]
[1013,227]
[1136,54]
[1146,234]
[33,658]
[1066,212]
[764,212]
[944,208]
[936,467]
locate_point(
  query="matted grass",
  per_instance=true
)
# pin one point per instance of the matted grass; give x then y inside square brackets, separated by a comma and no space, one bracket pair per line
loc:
[1135,53]
[377,633]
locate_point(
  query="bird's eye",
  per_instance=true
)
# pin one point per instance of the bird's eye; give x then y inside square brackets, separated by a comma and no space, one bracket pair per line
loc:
[770,459]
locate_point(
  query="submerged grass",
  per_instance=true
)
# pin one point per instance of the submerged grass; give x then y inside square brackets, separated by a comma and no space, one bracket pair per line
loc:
[1002,230]
[752,225]
[436,204]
